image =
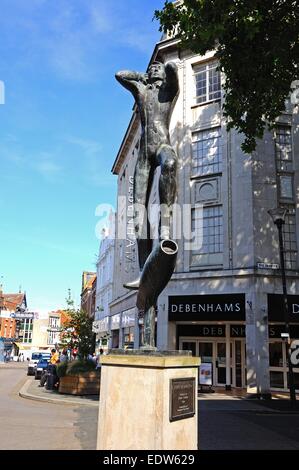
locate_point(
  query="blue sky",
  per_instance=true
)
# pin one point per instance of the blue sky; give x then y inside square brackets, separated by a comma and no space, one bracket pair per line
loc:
[60,128]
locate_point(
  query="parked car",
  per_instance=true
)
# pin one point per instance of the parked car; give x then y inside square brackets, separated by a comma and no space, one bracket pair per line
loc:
[36,356]
[40,367]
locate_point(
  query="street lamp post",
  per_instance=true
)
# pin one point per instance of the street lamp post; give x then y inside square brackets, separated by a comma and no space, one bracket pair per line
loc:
[278,217]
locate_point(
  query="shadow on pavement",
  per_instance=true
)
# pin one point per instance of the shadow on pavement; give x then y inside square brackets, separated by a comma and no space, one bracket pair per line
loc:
[86,426]
[247,425]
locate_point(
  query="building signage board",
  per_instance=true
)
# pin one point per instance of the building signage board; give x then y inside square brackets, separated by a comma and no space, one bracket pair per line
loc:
[22,316]
[182,398]
[211,330]
[229,307]
[100,326]
[268,266]
[276,311]
[237,331]
[115,321]
[276,330]
[103,324]
[205,374]
[128,318]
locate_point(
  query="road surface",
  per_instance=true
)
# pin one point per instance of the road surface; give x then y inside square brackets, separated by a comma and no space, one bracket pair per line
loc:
[26,424]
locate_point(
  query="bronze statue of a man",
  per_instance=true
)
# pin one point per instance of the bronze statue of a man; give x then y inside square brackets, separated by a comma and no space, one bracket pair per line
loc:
[155,94]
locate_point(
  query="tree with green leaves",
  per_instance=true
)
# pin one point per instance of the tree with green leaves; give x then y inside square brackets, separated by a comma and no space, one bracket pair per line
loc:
[77,330]
[256,44]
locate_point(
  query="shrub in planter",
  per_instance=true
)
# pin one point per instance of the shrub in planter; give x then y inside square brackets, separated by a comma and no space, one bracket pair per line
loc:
[79,378]
[77,367]
[61,368]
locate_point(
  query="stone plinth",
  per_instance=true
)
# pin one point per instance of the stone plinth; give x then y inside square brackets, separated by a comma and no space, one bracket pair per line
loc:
[135,402]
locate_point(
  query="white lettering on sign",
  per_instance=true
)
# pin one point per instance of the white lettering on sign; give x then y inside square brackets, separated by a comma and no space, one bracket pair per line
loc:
[228,308]
[295,352]
[267,266]
[295,308]
[206,308]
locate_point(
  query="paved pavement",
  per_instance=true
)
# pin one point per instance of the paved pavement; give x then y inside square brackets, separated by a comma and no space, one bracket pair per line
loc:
[27,424]
[228,423]
[225,422]
[32,391]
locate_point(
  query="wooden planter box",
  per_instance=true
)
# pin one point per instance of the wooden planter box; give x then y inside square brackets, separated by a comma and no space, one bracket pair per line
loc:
[87,383]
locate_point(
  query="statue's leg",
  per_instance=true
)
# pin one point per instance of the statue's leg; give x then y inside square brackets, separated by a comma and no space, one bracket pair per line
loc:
[149,328]
[167,160]
[143,177]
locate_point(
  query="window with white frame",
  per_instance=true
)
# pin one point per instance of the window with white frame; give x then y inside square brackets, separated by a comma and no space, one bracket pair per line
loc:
[285,175]
[211,224]
[283,148]
[284,163]
[53,337]
[54,322]
[207,82]
[206,152]
[290,239]
[25,330]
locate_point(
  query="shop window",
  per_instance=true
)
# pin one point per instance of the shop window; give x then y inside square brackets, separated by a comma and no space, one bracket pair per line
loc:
[296,380]
[206,352]
[128,337]
[115,339]
[275,355]
[276,379]
[189,346]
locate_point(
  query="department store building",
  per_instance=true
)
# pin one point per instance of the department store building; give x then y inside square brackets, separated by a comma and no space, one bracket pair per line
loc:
[224,301]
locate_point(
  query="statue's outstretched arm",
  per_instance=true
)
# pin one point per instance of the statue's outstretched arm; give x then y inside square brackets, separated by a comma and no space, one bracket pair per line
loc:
[131,80]
[172,78]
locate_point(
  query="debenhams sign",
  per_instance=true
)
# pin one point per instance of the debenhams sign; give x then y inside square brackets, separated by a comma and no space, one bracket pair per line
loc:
[206,307]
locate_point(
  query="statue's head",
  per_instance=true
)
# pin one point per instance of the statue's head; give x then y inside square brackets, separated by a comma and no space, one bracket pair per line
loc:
[156,71]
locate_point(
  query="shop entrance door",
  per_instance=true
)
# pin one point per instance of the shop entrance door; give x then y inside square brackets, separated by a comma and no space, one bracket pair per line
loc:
[189,346]
[211,352]
[220,363]
[204,350]
[239,364]
[214,351]
[279,367]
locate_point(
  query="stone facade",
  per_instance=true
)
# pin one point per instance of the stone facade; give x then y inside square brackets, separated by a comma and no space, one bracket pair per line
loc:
[228,194]
[105,265]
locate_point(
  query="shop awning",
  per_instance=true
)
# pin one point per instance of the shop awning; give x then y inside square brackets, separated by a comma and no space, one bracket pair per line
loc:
[21,346]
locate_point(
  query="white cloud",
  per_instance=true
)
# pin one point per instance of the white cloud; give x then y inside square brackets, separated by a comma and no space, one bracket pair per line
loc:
[101,21]
[90,147]
[46,166]
[72,38]
[93,159]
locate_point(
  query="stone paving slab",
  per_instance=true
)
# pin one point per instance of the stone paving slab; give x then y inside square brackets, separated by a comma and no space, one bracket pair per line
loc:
[32,391]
